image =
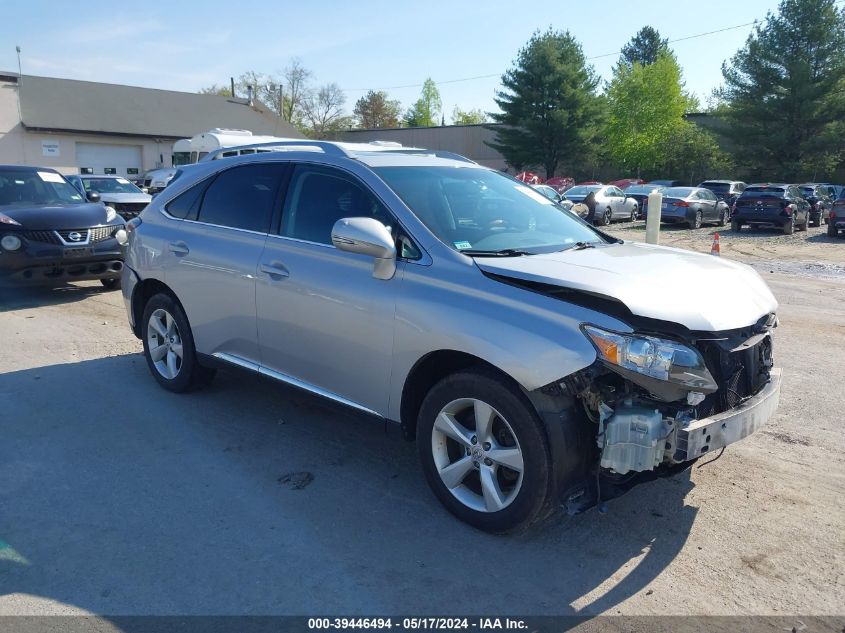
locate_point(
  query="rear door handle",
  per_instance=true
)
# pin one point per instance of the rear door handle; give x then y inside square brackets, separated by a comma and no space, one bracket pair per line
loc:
[180,248]
[275,269]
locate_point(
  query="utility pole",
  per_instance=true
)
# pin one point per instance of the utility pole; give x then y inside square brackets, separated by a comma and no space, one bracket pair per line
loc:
[20,112]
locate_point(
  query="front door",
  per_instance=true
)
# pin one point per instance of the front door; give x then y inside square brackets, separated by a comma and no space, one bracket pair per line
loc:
[324,321]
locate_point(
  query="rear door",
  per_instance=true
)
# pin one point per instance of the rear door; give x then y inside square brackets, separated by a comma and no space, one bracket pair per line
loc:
[212,255]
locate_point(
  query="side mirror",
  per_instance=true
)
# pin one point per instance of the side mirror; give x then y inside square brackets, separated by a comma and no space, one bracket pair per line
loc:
[93,196]
[144,190]
[367,236]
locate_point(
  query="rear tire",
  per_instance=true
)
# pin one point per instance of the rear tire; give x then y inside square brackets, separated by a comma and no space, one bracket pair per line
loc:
[789,227]
[169,346]
[723,218]
[696,222]
[831,230]
[111,284]
[464,460]
[736,227]
[606,217]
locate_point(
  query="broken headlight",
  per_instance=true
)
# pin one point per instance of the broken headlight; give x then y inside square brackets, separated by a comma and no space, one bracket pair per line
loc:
[654,357]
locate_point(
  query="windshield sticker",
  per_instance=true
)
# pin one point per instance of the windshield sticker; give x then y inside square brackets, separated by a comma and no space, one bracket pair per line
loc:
[49,176]
[462,245]
[123,181]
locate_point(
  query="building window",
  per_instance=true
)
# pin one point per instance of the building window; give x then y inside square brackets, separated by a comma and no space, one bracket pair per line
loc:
[132,171]
[110,170]
[86,170]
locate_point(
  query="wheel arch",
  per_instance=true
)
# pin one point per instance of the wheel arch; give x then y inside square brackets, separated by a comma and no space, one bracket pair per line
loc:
[429,370]
[141,294]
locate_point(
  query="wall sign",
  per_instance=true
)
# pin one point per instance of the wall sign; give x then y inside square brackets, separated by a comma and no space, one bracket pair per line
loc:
[50,148]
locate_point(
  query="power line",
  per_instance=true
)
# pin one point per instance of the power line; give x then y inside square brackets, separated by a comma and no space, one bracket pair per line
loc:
[454,81]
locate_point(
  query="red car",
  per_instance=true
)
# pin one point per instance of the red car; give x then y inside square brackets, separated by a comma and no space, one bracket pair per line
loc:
[560,183]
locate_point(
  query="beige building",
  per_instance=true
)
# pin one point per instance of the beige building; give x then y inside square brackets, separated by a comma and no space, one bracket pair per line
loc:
[105,128]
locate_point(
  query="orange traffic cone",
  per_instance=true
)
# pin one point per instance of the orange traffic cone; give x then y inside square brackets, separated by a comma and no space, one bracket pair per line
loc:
[714,250]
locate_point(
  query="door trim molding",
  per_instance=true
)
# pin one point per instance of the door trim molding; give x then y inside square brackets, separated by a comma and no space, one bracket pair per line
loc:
[294,382]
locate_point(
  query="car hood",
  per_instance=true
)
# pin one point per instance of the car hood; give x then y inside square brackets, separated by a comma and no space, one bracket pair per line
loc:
[123,198]
[67,216]
[698,291]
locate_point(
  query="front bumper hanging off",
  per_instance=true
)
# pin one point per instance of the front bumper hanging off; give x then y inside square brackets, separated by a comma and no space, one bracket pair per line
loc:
[710,434]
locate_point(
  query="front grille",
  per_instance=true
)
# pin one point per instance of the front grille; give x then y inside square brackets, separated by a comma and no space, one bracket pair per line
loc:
[44,237]
[128,210]
[100,233]
[739,374]
[89,236]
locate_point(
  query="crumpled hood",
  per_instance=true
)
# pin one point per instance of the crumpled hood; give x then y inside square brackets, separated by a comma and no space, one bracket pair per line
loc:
[698,291]
[122,198]
[51,217]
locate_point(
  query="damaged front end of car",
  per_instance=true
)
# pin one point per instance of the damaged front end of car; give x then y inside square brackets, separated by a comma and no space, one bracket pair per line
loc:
[655,402]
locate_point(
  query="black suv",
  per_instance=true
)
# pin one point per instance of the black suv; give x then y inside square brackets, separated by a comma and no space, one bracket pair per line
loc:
[725,190]
[820,198]
[49,233]
[777,205]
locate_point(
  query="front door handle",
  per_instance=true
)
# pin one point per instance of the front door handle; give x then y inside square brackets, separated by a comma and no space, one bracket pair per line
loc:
[179,248]
[275,269]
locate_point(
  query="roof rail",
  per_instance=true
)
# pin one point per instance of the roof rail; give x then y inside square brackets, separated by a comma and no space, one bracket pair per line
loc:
[333,149]
[327,147]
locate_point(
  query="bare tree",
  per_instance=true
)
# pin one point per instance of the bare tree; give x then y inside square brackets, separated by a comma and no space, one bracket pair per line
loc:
[297,88]
[324,109]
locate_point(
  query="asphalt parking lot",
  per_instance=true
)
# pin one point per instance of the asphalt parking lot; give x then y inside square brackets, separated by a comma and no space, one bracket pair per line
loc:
[117,497]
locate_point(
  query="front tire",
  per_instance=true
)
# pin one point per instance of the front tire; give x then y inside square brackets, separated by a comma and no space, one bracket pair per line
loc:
[484,451]
[723,218]
[169,346]
[111,284]
[736,227]
[831,230]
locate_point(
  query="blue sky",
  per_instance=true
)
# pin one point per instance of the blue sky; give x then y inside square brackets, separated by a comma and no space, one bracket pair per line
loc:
[186,45]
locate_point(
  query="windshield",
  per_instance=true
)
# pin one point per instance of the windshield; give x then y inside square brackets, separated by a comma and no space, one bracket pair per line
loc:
[20,187]
[581,190]
[181,158]
[109,185]
[482,210]
[677,192]
[808,191]
[717,187]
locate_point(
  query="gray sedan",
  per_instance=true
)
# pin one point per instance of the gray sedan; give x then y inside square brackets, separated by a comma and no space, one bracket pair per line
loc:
[693,206]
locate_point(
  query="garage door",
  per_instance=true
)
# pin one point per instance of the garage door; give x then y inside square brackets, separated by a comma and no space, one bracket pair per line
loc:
[99,158]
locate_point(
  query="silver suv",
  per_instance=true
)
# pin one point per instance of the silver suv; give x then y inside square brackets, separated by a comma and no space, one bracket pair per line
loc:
[536,360]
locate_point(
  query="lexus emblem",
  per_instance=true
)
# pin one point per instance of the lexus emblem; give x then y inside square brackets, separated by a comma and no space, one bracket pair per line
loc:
[74,236]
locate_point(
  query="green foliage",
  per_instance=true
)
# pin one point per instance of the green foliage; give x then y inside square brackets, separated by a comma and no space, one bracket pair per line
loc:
[646,107]
[468,117]
[691,153]
[548,104]
[214,89]
[644,48]
[784,92]
[427,109]
[375,110]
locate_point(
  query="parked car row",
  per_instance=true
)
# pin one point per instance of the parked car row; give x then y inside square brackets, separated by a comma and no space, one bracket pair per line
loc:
[717,202]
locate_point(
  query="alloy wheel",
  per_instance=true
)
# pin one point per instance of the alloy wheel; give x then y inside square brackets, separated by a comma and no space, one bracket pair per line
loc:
[164,343]
[477,455]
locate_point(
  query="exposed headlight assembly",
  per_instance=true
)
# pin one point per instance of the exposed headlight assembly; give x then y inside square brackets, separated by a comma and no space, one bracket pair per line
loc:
[111,214]
[657,358]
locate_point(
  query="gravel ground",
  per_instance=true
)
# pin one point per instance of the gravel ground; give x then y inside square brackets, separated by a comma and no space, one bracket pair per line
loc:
[117,497]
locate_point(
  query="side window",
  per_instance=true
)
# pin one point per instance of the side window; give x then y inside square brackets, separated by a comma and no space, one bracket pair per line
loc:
[242,197]
[186,205]
[318,197]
